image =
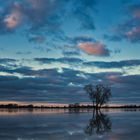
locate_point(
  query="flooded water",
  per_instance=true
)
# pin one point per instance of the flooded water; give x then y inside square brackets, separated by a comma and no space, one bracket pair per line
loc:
[54,124]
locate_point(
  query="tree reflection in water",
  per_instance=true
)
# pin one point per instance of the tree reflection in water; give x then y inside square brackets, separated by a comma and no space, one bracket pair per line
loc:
[99,123]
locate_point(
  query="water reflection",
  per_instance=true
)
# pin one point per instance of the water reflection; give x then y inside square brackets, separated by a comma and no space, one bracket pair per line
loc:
[99,123]
[73,124]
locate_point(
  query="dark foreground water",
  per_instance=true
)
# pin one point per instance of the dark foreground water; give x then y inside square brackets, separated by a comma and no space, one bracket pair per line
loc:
[69,125]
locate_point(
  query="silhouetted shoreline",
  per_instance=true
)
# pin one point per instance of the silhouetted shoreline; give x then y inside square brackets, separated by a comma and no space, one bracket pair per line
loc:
[73,106]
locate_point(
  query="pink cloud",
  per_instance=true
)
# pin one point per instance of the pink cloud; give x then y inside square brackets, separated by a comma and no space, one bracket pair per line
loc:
[130,28]
[113,78]
[14,18]
[135,32]
[97,48]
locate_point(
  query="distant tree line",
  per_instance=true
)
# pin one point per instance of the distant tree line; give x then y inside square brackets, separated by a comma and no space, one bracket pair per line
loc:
[75,105]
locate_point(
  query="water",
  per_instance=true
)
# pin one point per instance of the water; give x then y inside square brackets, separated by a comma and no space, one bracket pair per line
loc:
[66,124]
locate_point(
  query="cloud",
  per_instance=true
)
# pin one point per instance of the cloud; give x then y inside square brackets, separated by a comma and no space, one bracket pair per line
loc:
[31,15]
[97,49]
[83,11]
[79,39]
[14,18]
[71,53]
[14,66]
[44,17]
[128,84]
[129,80]
[7,60]
[37,39]
[130,28]
[134,34]
[45,84]
[23,53]
[67,60]
[114,64]
[69,84]
[11,17]
[70,49]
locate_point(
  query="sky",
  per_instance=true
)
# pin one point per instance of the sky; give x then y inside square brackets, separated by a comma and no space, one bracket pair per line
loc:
[51,49]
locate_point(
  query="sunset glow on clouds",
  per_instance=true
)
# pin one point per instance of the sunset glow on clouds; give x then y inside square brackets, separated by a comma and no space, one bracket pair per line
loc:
[50,49]
[14,18]
[97,49]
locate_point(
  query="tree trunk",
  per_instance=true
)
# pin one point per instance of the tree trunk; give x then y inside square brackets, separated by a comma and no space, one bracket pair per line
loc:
[93,104]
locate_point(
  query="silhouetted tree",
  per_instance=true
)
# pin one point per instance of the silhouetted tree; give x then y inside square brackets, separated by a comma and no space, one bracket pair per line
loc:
[98,94]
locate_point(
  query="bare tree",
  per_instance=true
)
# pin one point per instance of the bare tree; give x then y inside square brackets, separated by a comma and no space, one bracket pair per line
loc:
[98,94]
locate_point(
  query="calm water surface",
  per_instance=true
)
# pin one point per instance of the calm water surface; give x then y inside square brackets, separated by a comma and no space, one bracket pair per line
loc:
[69,124]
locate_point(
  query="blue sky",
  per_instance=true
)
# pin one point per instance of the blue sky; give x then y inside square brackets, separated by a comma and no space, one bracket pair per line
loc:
[50,49]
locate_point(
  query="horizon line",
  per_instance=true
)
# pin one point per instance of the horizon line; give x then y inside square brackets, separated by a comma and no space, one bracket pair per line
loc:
[23,103]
